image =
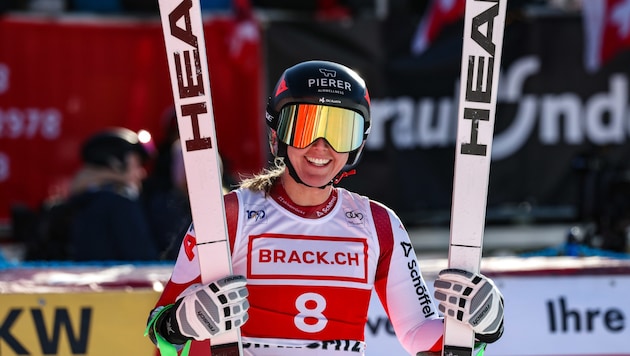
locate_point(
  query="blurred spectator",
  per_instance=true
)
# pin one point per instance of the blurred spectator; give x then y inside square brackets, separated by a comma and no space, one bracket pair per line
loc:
[164,194]
[108,221]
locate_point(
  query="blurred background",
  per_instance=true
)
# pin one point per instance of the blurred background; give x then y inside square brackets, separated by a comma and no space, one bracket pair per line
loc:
[69,68]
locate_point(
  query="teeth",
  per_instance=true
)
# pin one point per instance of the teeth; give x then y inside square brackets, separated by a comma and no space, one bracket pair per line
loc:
[317,161]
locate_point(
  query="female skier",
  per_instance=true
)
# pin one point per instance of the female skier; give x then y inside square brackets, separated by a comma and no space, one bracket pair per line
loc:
[306,254]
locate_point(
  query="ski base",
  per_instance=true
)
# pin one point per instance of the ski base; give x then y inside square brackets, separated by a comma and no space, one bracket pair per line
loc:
[457,351]
[231,349]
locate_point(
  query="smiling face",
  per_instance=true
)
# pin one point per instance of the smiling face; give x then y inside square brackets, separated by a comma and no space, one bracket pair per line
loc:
[317,164]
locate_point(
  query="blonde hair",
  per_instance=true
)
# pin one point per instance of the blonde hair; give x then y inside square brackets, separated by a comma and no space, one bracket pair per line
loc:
[263,181]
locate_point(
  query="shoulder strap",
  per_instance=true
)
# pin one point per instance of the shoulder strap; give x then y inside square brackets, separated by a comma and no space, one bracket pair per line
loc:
[383,227]
[231,216]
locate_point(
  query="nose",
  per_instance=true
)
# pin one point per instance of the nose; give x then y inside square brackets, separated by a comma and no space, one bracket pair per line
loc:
[321,143]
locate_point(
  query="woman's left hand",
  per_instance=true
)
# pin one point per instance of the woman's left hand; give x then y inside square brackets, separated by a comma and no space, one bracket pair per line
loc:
[471,298]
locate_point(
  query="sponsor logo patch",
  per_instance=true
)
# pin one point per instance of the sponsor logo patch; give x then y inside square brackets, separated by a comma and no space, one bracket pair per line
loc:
[307,257]
[254,215]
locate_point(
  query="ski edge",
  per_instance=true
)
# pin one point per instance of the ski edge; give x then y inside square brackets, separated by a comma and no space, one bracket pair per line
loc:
[472,156]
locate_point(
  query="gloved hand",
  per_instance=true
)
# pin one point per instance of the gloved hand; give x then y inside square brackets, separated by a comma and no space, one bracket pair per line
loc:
[471,298]
[203,311]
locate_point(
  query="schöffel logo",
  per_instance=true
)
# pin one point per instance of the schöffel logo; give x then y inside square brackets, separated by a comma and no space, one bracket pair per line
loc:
[407,248]
[328,73]
[422,293]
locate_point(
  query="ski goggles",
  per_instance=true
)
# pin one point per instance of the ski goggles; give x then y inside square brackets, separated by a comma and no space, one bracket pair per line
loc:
[299,125]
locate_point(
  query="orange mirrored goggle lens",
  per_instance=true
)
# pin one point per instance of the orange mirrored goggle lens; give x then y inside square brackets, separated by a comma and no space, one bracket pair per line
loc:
[300,125]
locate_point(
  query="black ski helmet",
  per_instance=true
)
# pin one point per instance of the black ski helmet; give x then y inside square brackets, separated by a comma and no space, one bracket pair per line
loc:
[320,83]
[108,148]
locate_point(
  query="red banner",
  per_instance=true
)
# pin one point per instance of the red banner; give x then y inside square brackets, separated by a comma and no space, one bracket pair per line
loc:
[63,79]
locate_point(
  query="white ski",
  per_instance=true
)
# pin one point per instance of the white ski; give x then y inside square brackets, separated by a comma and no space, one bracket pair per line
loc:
[484,25]
[182,25]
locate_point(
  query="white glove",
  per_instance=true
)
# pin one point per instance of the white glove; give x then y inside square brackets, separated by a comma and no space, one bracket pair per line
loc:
[207,310]
[471,298]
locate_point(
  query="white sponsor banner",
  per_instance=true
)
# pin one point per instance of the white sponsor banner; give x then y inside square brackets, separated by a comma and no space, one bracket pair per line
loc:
[336,258]
[544,315]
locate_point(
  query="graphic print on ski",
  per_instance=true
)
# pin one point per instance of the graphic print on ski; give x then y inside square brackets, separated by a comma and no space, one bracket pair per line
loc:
[188,66]
[484,25]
